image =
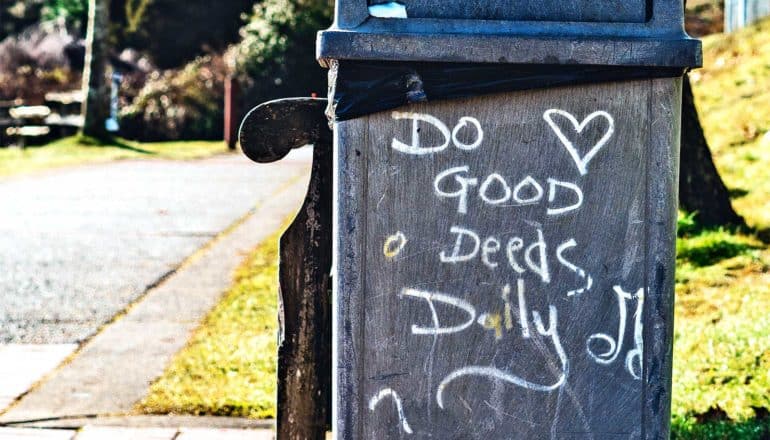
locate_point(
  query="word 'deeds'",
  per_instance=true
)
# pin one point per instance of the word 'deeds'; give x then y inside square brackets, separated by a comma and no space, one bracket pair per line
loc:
[515,254]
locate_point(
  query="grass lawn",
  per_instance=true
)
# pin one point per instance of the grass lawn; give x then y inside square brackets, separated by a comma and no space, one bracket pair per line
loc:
[722,343]
[72,151]
[722,336]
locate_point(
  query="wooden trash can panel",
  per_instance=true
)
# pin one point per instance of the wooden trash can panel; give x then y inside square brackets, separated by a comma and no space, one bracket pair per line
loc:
[505,265]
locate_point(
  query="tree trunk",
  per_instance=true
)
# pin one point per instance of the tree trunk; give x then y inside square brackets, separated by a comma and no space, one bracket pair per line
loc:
[701,188]
[96,87]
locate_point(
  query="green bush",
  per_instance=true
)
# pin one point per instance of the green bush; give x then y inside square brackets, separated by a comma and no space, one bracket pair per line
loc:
[179,104]
[34,62]
[75,12]
[17,15]
[276,56]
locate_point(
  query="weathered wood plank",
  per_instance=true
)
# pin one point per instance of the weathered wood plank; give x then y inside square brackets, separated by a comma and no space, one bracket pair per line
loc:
[490,289]
[304,353]
[267,134]
[272,129]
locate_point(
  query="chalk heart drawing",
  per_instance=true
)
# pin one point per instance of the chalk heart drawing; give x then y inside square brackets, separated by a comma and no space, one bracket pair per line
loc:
[581,162]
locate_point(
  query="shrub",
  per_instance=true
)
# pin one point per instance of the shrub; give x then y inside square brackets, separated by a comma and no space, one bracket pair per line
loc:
[35,62]
[17,15]
[276,56]
[74,12]
[178,104]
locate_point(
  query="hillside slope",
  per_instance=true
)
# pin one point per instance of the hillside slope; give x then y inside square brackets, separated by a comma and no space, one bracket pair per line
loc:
[722,341]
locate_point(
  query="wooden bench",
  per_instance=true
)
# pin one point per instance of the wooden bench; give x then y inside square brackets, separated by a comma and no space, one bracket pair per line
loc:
[65,118]
[28,122]
[59,117]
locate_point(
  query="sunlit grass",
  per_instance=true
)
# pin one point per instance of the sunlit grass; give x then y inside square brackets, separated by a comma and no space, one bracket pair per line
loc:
[722,327]
[733,96]
[75,151]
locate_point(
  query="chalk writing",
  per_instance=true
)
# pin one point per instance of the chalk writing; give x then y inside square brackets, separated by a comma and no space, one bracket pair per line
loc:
[499,323]
[394,245]
[580,272]
[491,246]
[615,345]
[492,322]
[496,373]
[416,147]
[553,186]
[461,193]
[580,161]
[430,297]
[387,392]
[479,133]
[536,196]
[495,190]
[532,265]
[535,256]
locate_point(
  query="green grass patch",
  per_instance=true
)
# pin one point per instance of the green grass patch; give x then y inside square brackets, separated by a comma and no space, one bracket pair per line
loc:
[75,150]
[689,429]
[229,366]
[710,247]
[721,386]
[721,375]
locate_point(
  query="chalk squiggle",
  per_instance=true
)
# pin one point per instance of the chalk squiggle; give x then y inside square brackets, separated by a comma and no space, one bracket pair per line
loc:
[496,373]
[387,392]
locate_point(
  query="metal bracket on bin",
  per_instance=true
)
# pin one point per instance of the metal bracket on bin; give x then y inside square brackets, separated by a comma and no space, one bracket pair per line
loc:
[268,133]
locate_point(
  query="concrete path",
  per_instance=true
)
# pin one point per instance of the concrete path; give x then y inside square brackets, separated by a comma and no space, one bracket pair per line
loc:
[158,241]
[114,369]
[102,433]
[78,245]
[21,366]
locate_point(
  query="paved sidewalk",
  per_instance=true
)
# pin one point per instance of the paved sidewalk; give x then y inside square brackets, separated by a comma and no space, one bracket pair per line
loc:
[114,369]
[108,433]
[78,245]
[21,366]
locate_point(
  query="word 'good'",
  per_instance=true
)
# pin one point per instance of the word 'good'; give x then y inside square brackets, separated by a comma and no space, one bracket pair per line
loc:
[496,191]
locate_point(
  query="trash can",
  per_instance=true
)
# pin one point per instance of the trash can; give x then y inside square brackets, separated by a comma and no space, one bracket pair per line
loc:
[505,206]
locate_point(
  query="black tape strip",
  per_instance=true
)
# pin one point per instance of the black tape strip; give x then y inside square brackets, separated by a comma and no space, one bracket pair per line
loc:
[365,87]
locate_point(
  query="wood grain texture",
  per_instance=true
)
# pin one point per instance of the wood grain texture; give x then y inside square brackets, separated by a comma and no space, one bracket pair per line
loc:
[272,129]
[304,354]
[665,105]
[623,238]
[349,218]
[268,133]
